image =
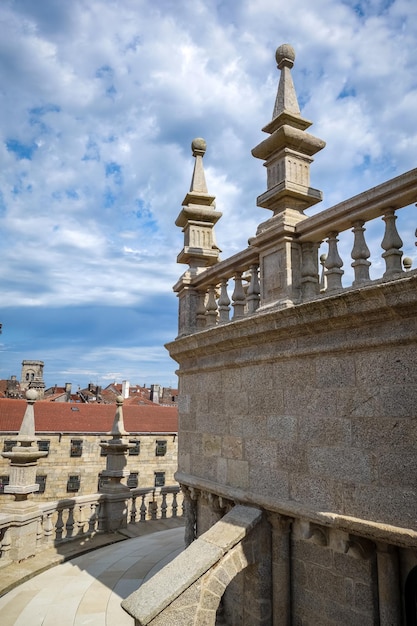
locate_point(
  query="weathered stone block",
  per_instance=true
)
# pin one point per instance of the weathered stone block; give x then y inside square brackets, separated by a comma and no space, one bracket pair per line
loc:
[212,445]
[282,427]
[341,464]
[238,473]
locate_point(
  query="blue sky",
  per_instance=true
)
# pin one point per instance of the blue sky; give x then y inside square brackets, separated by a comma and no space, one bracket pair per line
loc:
[99,102]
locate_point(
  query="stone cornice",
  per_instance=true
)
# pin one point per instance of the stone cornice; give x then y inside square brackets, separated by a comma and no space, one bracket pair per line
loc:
[396,535]
[381,302]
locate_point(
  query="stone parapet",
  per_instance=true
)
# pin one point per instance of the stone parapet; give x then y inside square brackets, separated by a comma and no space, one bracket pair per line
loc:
[189,589]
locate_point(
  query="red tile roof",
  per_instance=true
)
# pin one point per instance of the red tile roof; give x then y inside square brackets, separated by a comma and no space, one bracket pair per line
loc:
[70,417]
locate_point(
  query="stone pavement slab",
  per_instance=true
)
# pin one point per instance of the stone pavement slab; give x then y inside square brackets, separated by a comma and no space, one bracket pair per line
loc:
[88,589]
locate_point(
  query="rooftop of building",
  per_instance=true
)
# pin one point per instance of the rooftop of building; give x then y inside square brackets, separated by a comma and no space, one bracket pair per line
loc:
[68,417]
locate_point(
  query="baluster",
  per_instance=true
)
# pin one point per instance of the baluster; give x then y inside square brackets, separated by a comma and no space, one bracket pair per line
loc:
[253,295]
[201,310]
[92,520]
[5,545]
[48,527]
[360,254]
[238,297]
[69,526]
[174,505]
[333,264]
[133,510]
[80,520]
[309,271]
[391,243]
[211,308]
[323,279]
[153,507]
[59,526]
[143,509]
[224,302]
[164,506]
[39,532]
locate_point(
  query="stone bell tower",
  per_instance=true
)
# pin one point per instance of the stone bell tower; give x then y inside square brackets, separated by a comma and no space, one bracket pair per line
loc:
[32,377]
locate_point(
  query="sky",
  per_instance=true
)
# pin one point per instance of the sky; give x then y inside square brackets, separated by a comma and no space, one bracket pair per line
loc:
[99,103]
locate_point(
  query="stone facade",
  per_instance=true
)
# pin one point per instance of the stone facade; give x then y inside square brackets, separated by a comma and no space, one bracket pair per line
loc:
[59,466]
[302,405]
[75,460]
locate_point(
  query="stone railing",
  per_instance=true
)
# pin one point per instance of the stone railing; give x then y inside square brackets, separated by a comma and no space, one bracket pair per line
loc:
[281,265]
[71,519]
[151,504]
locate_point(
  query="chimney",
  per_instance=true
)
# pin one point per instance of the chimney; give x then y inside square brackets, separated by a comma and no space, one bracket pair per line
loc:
[155,393]
[125,389]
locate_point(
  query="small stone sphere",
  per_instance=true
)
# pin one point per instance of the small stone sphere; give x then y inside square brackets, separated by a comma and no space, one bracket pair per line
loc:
[31,394]
[407,263]
[119,399]
[198,145]
[285,52]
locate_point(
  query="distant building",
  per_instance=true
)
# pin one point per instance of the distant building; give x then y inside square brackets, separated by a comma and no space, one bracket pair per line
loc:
[32,377]
[72,432]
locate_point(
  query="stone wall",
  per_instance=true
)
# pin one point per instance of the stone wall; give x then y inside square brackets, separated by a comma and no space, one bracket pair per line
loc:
[312,405]
[59,465]
[309,413]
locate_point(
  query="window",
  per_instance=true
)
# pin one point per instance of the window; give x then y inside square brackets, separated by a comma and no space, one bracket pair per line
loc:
[136,448]
[41,481]
[133,480]
[161,447]
[76,447]
[9,444]
[74,482]
[159,479]
[43,445]
[4,480]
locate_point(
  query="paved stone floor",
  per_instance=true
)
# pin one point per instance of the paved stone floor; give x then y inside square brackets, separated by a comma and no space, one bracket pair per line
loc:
[87,590]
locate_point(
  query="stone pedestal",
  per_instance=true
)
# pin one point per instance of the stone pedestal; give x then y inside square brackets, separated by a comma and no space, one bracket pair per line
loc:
[117,493]
[23,463]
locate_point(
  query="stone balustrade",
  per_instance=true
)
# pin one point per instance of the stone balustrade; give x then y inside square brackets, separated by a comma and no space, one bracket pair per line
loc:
[240,285]
[281,265]
[82,517]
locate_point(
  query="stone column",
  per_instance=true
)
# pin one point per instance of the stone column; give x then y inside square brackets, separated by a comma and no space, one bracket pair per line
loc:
[23,463]
[281,569]
[117,494]
[389,585]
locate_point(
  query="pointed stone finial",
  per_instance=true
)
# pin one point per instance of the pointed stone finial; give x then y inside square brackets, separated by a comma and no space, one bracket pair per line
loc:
[288,150]
[27,427]
[286,99]
[198,181]
[118,428]
[198,216]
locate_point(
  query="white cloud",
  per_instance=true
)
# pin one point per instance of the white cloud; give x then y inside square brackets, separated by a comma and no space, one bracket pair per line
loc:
[105,97]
